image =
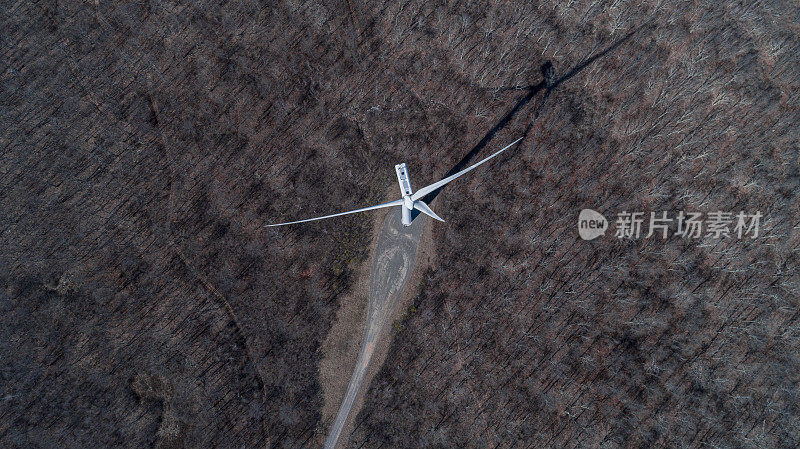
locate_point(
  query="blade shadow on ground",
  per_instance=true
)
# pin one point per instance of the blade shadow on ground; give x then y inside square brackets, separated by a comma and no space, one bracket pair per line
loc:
[548,84]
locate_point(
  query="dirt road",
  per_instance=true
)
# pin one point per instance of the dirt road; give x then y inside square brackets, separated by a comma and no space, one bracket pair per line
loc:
[392,264]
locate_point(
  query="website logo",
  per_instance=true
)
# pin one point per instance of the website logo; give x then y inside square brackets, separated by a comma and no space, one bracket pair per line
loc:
[591,224]
[688,225]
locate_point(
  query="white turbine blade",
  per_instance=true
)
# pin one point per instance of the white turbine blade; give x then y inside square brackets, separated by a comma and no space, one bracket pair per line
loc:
[422,207]
[428,189]
[390,204]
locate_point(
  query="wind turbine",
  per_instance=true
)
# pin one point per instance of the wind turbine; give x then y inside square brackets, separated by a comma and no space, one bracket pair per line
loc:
[410,200]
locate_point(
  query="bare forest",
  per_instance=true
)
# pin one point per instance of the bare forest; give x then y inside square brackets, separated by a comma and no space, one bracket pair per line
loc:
[143,144]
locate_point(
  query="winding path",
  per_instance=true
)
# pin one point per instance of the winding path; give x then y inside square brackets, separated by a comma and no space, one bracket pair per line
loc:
[392,264]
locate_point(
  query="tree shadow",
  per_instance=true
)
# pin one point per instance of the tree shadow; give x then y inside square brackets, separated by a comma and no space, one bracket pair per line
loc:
[548,84]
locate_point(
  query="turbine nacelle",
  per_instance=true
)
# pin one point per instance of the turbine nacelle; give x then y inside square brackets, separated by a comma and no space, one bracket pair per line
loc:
[410,201]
